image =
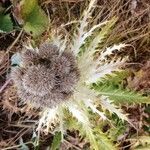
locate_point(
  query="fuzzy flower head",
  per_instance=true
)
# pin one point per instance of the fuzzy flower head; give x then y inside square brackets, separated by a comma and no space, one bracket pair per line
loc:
[46,77]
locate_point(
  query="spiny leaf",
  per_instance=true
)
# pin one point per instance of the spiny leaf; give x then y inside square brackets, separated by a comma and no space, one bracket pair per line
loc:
[91,137]
[105,69]
[109,51]
[82,28]
[79,114]
[56,141]
[142,148]
[141,143]
[96,138]
[5,23]
[104,142]
[113,109]
[121,95]
[114,79]
[111,86]
[116,132]
[99,36]
[93,40]
[84,130]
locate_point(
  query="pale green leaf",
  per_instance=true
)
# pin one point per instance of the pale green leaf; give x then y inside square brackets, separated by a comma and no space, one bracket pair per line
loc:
[104,142]
[27,7]
[35,19]
[56,141]
[98,140]
[111,87]
[122,95]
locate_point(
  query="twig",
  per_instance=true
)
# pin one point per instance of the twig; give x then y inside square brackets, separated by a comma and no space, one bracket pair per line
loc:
[69,23]
[19,134]
[72,144]
[70,1]
[5,85]
[16,146]
[15,41]
[22,126]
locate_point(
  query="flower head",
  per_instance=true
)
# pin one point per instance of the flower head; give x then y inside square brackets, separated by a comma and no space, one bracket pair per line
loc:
[47,77]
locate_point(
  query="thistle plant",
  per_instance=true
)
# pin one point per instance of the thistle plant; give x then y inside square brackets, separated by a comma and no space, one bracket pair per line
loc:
[69,82]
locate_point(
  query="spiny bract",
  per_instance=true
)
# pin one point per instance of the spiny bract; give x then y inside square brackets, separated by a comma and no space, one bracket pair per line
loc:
[47,77]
